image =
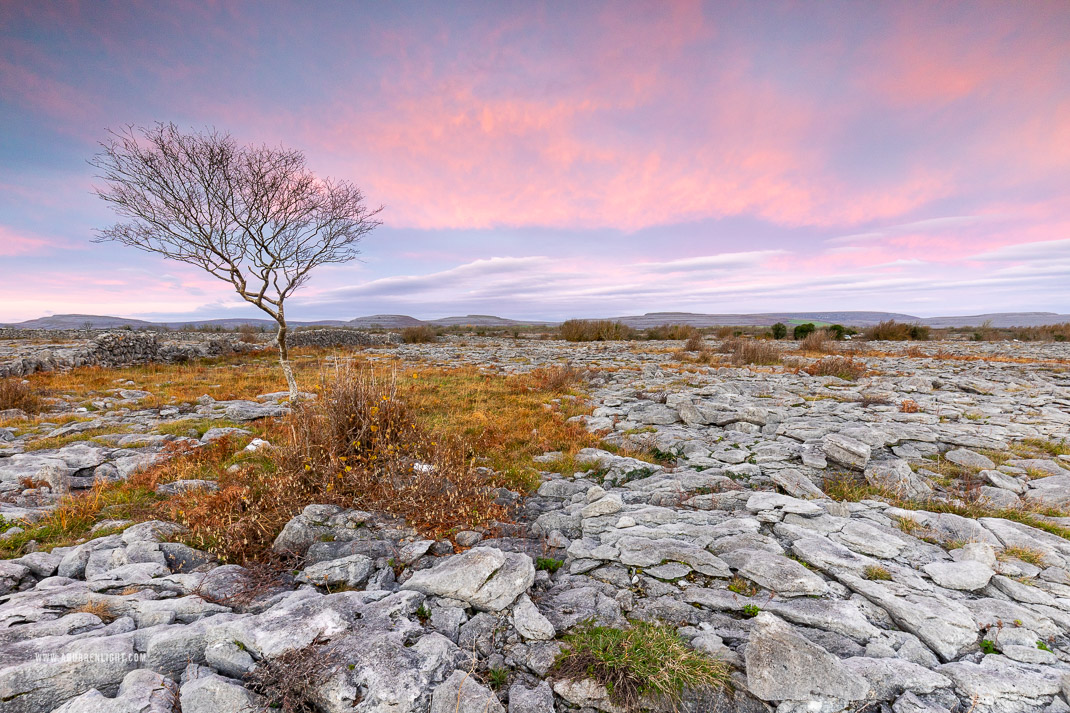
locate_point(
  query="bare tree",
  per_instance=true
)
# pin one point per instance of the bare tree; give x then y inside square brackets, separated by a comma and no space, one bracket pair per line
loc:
[253,216]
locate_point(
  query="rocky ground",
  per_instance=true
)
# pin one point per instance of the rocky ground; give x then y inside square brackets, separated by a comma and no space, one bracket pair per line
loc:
[937,580]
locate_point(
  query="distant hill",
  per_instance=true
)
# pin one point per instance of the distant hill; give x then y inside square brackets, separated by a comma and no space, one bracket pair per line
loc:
[1000,319]
[80,321]
[764,319]
[651,319]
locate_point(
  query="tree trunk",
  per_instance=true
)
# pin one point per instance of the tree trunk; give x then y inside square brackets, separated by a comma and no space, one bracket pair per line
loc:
[284,358]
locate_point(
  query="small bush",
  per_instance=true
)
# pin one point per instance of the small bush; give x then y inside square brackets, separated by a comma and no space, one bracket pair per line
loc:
[751,610]
[14,394]
[644,662]
[892,331]
[909,406]
[779,330]
[801,331]
[751,351]
[695,343]
[548,564]
[595,330]
[841,367]
[421,334]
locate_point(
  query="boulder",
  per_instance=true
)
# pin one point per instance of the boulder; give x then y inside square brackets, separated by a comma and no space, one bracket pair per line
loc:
[462,693]
[485,577]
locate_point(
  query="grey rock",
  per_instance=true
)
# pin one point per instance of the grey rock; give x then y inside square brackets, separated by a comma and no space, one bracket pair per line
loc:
[969,459]
[142,691]
[967,575]
[207,692]
[946,626]
[351,571]
[784,666]
[846,451]
[643,552]
[775,572]
[796,484]
[529,622]
[462,693]
[890,677]
[896,477]
[523,699]
[485,577]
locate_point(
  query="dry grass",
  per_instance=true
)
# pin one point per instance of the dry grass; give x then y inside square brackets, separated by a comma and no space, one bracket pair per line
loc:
[643,663]
[458,419]
[841,367]
[594,330]
[751,351]
[877,572]
[14,394]
[909,406]
[818,342]
[1025,554]
[99,609]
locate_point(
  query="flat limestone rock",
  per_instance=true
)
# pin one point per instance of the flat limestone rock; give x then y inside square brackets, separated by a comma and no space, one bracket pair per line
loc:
[485,577]
[783,665]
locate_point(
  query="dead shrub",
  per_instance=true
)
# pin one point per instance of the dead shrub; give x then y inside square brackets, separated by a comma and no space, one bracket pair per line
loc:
[290,681]
[841,367]
[909,406]
[418,335]
[695,343]
[14,394]
[751,351]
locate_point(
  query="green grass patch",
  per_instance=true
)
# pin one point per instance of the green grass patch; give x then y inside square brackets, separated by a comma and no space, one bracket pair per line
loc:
[643,663]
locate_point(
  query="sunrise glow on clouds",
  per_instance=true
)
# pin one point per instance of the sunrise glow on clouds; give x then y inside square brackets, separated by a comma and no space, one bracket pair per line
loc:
[581,159]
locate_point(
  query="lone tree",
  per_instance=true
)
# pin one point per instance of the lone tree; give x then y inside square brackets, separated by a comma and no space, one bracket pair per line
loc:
[254,216]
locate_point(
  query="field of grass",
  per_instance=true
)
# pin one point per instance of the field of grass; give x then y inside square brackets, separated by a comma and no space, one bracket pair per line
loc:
[479,430]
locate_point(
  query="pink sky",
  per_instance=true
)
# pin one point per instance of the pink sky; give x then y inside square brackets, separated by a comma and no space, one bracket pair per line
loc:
[581,159]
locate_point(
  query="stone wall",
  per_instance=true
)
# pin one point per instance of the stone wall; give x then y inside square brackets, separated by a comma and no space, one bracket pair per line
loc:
[124,347]
[339,338]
